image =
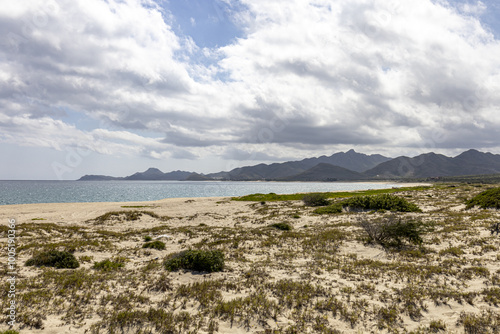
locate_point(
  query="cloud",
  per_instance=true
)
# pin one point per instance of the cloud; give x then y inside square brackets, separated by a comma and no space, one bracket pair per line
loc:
[306,76]
[233,153]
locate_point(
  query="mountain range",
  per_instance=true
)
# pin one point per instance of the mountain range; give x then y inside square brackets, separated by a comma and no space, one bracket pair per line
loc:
[342,166]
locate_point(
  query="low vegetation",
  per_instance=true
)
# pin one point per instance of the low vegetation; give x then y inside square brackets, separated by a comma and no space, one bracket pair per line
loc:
[109,264]
[197,260]
[54,258]
[380,202]
[282,226]
[330,209]
[393,231]
[317,199]
[489,199]
[160,245]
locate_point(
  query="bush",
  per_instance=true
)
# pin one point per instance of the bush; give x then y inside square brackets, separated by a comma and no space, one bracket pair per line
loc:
[198,260]
[392,231]
[9,331]
[480,323]
[55,259]
[282,226]
[147,238]
[437,326]
[109,265]
[381,202]
[487,199]
[330,209]
[315,199]
[154,244]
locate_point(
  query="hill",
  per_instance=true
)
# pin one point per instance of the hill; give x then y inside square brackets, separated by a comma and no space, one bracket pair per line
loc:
[326,172]
[471,162]
[152,174]
[357,162]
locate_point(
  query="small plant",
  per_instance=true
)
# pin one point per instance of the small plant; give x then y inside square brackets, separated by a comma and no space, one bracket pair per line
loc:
[109,265]
[147,238]
[9,331]
[436,326]
[330,209]
[157,244]
[455,251]
[391,231]
[198,260]
[282,226]
[55,259]
[487,199]
[86,258]
[315,199]
[495,228]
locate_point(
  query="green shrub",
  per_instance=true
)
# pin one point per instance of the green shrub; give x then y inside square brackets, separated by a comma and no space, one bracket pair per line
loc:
[436,326]
[380,202]
[487,199]
[147,238]
[315,199]
[281,226]
[154,244]
[198,260]
[391,231]
[109,265]
[55,259]
[9,331]
[330,209]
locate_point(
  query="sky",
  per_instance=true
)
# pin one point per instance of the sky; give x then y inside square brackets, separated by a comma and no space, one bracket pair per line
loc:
[115,87]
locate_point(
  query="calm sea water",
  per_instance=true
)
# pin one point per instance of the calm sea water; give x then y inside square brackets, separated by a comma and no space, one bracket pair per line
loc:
[24,192]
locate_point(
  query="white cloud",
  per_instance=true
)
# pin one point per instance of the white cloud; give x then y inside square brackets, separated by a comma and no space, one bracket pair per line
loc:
[307,77]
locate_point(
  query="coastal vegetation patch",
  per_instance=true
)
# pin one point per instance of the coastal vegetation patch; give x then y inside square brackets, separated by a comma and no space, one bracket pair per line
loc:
[272,197]
[380,202]
[197,260]
[393,231]
[488,199]
[123,216]
[54,258]
[157,244]
[316,199]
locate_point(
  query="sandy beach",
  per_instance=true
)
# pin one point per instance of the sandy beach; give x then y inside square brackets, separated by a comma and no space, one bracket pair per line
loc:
[320,277]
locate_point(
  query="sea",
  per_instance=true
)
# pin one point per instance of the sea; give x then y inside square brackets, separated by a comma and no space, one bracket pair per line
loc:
[27,192]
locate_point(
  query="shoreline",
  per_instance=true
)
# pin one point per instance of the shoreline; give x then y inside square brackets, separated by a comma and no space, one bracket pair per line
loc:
[411,184]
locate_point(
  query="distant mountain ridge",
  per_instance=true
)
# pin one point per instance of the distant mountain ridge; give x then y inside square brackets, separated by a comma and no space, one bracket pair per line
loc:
[342,166]
[152,174]
[351,160]
[471,162]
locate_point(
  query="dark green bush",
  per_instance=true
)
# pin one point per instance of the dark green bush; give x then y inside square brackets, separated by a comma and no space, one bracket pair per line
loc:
[198,260]
[154,244]
[392,231]
[315,199]
[9,331]
[281,226]
[55,259]
[147,238]
[380,202]
[330,209]
[109,265]
[487,199]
